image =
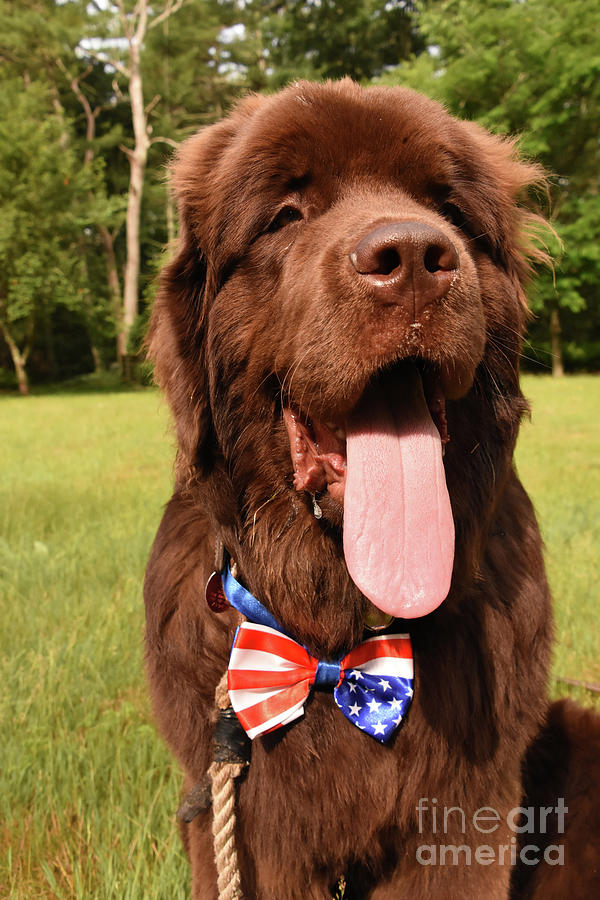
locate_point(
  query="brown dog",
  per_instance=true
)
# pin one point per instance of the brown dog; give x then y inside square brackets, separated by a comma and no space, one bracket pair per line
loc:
[346,301]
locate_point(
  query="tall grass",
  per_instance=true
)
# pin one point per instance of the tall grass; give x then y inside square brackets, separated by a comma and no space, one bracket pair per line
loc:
[87,789]
[558,457]
[88,792]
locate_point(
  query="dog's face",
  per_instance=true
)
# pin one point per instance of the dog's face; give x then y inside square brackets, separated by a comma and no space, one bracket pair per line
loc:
[345,254]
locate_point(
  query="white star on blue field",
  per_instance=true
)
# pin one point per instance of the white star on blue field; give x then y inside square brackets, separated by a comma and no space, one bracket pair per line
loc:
[376,705]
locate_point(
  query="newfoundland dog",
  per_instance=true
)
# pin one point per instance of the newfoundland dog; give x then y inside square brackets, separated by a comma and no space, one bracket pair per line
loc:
[338,337]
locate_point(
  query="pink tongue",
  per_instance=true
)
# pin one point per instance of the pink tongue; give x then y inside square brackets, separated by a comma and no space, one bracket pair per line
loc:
[398,526]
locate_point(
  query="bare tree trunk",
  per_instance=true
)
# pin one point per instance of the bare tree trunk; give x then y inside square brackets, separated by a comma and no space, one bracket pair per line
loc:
[112,273]
[97,358]
[558,369]
[22,380]
[170,217]
[138,158]
[135,25]
[107,238]
[19,359]
[137,162]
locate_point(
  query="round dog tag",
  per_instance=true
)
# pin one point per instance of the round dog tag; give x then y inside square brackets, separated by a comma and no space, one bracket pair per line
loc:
[215,595]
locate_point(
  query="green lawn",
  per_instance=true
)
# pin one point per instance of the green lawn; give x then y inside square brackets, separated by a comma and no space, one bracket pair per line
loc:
[87,790]
[558,458]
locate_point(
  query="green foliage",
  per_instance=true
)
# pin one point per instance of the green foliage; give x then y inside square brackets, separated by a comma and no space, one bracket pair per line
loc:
[525,67]
[331,39]
[275,42]
[140,369]
[43,209]
[137,334]
[180,66]
[57,83]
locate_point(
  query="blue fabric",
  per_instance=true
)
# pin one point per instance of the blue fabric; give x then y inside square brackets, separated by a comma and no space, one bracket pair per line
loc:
[327,674]
[374,703]
[244,602]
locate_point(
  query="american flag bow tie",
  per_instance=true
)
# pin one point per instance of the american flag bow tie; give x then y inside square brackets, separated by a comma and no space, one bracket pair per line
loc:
[270,676]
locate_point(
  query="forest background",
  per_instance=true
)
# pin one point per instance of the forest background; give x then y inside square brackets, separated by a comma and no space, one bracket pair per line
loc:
[95,95]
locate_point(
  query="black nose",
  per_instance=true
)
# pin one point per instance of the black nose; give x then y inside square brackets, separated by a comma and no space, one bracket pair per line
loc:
[407,262]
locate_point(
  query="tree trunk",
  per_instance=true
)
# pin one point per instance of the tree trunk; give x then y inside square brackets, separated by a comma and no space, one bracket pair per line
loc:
[112,273]
[170,218]
[557,358]
[137,162]
[22,379]
[107,239]
[97,358]
[135,29]
[19,360]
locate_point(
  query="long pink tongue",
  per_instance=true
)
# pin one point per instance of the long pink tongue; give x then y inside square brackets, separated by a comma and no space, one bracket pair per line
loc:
[398,526]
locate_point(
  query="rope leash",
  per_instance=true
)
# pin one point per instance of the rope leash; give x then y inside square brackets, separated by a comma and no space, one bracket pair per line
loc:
[218,787]
[231,753]
[228,766]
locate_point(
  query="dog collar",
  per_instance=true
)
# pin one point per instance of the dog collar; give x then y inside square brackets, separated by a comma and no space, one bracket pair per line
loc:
[223,590]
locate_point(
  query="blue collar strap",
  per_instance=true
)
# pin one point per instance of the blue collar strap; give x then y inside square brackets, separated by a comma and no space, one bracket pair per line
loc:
[244,602]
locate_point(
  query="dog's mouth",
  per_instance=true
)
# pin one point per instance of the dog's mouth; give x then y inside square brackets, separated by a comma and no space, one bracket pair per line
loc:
[384,464]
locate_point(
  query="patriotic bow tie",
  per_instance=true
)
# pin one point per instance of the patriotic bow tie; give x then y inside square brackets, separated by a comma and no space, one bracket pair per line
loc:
[270,675]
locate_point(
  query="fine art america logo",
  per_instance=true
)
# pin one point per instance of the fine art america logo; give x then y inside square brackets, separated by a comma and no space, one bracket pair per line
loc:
[486,820]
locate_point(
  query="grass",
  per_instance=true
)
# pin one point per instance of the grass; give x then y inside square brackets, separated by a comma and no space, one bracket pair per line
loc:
[87,789]
[87,792]
[558,458]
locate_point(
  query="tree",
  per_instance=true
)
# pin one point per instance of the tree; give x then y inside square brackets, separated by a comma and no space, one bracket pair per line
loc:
[275,42]
[107,218]
[126,38]
[117,24]
[39,40]
[43,198]
[334,38]
[100,63]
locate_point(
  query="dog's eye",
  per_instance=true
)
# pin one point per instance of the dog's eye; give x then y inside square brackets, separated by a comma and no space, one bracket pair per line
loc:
[286,216]
[455,215]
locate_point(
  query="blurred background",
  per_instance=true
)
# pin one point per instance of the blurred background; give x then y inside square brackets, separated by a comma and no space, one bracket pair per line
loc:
[94,97]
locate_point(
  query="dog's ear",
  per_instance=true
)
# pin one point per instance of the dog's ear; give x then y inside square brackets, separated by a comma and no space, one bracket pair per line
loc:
[176,347]
[176,339]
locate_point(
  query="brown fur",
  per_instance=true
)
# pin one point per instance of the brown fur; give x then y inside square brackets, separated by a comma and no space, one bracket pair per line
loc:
[247,316]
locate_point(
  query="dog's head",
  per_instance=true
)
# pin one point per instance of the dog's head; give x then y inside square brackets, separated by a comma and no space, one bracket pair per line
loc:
[350,265]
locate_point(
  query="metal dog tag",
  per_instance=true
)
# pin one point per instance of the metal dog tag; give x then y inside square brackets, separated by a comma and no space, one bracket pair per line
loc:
[215,595]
